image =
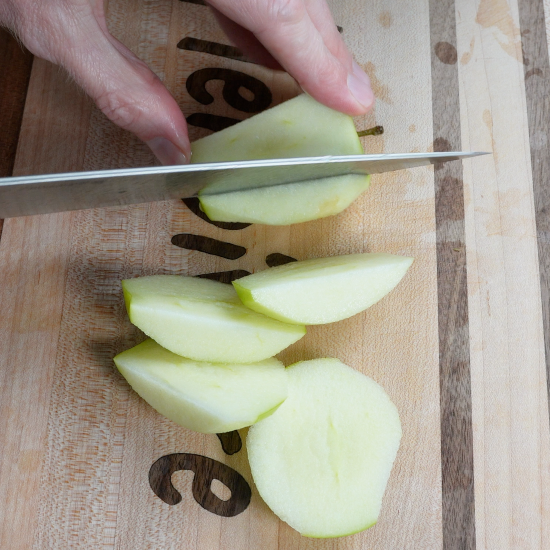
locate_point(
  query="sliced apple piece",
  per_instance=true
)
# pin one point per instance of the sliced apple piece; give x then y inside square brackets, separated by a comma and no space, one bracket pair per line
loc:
[324,290]
[204,397]
[298,127]
[286,204]
[204,320]
[322,461]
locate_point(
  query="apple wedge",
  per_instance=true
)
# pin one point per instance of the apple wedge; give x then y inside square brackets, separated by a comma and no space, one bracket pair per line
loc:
[322,461]
[299,127]
[324,290]
[204,320]
[286,204]
[204,397]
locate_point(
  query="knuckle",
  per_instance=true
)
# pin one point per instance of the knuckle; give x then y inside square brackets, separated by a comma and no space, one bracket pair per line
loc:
[120,110]
[283,11]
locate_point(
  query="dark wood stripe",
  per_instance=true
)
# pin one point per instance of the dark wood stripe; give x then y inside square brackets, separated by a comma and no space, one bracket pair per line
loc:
[454,347]
[537,93]
[15,72]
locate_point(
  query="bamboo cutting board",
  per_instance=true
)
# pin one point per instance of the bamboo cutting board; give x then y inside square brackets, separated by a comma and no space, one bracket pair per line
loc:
[459,345]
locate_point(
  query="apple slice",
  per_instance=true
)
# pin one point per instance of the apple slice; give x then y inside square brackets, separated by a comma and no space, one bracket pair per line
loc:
[321,462]
[324,290]
[286,204]
[204,397]
[299,127]
[204,320]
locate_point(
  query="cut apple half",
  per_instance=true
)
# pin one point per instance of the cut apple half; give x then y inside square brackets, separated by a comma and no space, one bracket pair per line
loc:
[300,127]
[204,397]
[324,290]
[322,461]
[204,320]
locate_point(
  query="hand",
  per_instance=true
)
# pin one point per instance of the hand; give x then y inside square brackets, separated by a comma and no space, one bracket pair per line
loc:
[299,36]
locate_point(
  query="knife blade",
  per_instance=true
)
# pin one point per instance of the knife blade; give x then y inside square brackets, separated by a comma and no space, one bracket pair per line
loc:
[44,194]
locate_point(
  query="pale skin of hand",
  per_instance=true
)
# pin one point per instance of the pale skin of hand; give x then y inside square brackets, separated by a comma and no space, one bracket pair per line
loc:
[298,36]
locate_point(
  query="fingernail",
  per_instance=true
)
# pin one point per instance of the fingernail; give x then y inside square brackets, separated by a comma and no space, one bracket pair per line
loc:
[167,152]
[359,86]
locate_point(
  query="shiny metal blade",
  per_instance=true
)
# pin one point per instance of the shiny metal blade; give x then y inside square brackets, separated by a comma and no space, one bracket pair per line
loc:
[29,195]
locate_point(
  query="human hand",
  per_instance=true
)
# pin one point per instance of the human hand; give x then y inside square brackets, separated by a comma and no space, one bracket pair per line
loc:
[297,35]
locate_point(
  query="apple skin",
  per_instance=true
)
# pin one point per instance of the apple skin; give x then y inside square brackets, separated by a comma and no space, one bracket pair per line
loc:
[322,461]
[200,396]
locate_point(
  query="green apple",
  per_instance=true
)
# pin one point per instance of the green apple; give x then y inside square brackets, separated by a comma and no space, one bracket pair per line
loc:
[299,127]
[204,320]
[324,290]
[322,461]
[286,204]
[204,397]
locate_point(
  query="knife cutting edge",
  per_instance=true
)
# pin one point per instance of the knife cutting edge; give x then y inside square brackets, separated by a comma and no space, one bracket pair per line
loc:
[44,194]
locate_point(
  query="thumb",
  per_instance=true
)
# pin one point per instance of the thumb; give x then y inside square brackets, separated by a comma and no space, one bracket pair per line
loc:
[128,92]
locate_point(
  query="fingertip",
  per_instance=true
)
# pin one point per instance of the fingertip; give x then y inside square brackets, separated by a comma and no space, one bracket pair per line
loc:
[167,152]
[360,87]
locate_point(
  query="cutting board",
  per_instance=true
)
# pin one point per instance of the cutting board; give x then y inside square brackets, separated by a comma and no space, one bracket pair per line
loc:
[459,345]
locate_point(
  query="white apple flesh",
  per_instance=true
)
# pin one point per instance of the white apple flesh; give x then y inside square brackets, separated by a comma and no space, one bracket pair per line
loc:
[204,397]
[204,320]
[322,461]
[324,290]
[300,127]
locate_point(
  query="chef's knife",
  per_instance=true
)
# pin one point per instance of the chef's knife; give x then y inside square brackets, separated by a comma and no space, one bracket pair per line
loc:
[29,195]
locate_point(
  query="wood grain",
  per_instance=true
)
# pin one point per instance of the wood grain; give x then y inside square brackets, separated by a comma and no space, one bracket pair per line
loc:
[537,94]
[509,397]
[457,463]
[78,444]
[15,72]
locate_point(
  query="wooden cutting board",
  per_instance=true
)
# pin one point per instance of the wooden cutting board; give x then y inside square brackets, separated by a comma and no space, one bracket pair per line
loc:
[459,345]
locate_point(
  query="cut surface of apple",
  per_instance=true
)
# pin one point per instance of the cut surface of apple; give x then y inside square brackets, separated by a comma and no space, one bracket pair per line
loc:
[299,127]
[204,320]
[204,397]
[322,461]
[286,204]
[323,290]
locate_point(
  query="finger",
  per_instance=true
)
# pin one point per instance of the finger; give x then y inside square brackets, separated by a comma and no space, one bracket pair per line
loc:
[121,85]
[286,29]
[246,41]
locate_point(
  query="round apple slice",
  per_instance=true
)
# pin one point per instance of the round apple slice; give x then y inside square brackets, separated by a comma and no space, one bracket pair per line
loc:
[204,320]
[204,397]
[322,461]
[324,290]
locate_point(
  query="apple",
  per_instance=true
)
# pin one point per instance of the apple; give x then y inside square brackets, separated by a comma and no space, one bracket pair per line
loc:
[204,320]
[322,460]
[299,127]
[204,397]
[286,204]
[324,290]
